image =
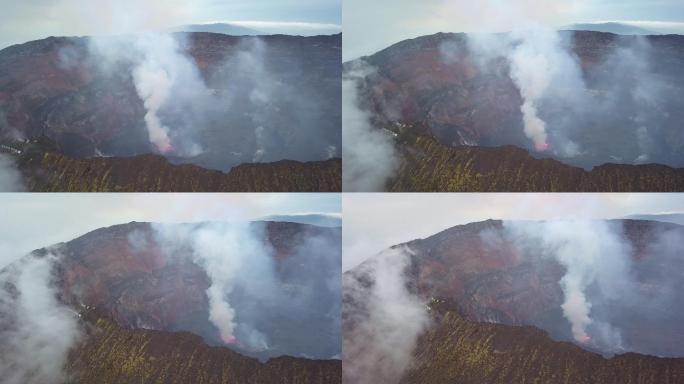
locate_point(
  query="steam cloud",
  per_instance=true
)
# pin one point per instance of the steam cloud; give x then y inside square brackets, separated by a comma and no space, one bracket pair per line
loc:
[241,110]
[619,110]
[249,293]
[36,330]
[227,252]
[387,320]
[592,253]
[154,86]
[532,70]
[370,159]
[167,81]
[10,177]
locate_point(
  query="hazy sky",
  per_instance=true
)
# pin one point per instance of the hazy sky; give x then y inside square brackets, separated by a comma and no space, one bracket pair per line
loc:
[372,25]
[373,222]
[26,20]
[31,221]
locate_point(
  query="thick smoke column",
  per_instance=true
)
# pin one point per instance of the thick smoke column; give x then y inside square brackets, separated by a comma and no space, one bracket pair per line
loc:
[153,85]
[36,330]
[593,253]
[227,251]
[163,72]
[259,303]
[387,320]
[369,156]
[532,71]
[542,68]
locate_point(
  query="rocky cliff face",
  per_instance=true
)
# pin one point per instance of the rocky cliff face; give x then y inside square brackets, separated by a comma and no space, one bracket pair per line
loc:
[55,172]
[112,354]
[456,350]
[426,165]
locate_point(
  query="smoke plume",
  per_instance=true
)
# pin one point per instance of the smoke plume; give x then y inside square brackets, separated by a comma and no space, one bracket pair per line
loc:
[370,159]
[37,331]
[239,109]
[166,80]
[595,256]
[257,303]
[386,319]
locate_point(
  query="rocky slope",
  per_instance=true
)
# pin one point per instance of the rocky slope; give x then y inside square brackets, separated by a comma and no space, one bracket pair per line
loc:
[51,171]
[112,354]
[436,91]
[456,350]
[427,165]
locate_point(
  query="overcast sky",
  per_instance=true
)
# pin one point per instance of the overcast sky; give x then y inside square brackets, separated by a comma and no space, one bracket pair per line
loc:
[373,222]
[373,25]
[31,221]
[26,20]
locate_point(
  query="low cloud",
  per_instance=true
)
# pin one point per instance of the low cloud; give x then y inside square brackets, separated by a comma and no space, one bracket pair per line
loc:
[36,329]
[369,156]
[10,177]
[383,319]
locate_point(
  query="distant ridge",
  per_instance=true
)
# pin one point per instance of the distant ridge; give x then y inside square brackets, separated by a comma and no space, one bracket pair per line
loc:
[675,218]
[611,27]
[224,28]
[317,219]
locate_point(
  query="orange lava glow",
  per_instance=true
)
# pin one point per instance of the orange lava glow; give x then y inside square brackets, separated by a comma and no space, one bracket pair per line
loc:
[229,339]
[541,146]
[165,148]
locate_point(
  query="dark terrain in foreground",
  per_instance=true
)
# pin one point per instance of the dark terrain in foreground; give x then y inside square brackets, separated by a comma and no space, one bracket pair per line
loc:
[45,169]
[112,354]
[456,350]
[427,165]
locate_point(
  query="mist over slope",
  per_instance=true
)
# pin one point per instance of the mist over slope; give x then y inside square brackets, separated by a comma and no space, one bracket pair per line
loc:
[608,287]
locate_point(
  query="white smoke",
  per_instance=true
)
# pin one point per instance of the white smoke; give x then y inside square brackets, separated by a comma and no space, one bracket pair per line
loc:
[253,296]
[167,81]
[10,177]
[380,345]
[369,156]
[35,344]
[542,67]
[153,85]
[164,72]
[532,70]
[594,255]
[228,252]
